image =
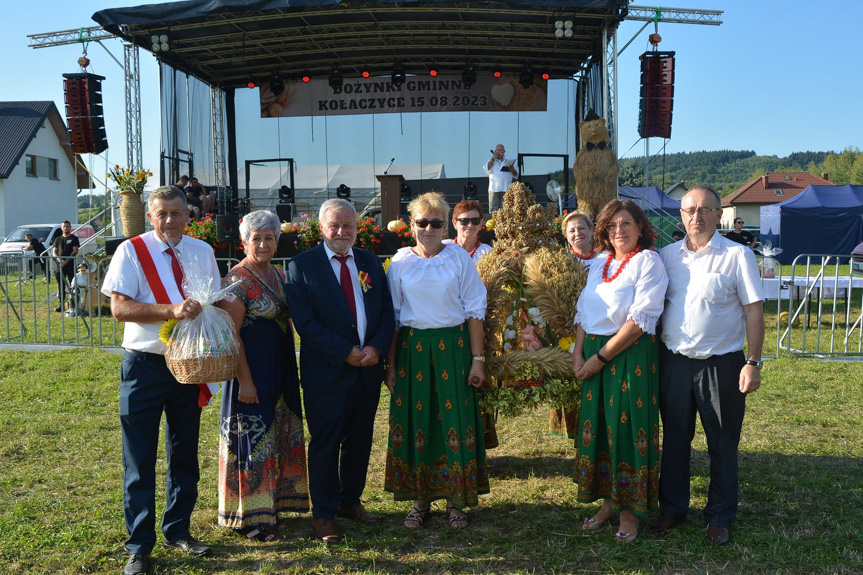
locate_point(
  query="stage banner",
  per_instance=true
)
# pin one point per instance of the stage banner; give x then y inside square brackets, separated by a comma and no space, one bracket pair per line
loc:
[417,94]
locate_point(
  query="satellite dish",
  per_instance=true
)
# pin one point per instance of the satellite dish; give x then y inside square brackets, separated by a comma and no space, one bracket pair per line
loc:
[552,190]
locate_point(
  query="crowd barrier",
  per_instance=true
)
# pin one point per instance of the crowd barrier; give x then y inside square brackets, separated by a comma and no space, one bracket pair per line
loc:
[817,309]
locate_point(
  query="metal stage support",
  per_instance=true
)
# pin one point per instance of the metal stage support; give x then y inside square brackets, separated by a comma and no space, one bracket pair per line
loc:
[676,15]
[217,108]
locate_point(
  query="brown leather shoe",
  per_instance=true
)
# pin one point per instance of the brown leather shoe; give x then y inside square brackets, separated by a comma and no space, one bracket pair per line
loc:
[717,535]
[663,524]
[327,531]
[358,513]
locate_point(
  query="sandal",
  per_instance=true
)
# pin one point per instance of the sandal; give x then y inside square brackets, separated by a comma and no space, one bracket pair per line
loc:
[460,516]
[417,517]
[257,532]
[591,524]
[623,537]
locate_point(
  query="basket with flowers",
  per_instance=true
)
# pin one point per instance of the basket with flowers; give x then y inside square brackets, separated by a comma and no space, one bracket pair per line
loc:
[130,185]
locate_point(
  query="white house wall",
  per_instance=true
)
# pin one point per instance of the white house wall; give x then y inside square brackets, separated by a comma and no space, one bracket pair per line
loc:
[28,200]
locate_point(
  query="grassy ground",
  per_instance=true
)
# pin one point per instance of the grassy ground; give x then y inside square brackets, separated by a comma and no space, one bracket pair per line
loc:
[801,490]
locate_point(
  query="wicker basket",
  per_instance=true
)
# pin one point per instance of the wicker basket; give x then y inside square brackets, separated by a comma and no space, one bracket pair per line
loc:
[132,214]
[207,369]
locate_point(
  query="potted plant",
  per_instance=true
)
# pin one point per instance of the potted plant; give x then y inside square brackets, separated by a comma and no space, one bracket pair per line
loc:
[130,185]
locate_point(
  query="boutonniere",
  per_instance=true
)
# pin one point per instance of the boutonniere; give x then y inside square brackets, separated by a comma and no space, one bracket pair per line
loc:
[365,281]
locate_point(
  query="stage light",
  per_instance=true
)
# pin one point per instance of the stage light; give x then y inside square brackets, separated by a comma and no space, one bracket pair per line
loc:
[277,85]
[398,77]
[159,43]
[558,33]
[286,195]
[404,192]
[336,80]
[470,191]
[497,74]
[432,71]
[526,78]
[545,76]
[306,79]
[343,192]
[250,83]
[365,74]
[558,25]
[567,33]
[468,77]
[568,24]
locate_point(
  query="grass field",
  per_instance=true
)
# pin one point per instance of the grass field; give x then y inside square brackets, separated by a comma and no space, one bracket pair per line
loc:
[801,490]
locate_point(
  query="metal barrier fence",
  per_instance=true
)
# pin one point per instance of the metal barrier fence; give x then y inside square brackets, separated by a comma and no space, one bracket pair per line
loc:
[818,309]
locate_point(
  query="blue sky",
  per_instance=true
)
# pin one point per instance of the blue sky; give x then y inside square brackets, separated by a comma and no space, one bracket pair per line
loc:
[776,77]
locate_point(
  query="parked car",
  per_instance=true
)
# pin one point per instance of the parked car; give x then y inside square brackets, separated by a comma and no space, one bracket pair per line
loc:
[10,249]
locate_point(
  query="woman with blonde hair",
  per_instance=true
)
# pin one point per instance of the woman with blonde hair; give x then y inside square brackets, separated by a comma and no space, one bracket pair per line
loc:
[434,368]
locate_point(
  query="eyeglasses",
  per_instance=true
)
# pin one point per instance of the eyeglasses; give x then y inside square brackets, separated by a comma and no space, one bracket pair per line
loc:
[700,211]
[436,224]
[466,221]
[623,225]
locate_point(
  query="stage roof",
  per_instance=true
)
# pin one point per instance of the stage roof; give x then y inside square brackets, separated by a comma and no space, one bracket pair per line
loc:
[228,42]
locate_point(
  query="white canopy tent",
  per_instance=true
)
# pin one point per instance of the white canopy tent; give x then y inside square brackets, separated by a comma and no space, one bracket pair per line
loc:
[315,184]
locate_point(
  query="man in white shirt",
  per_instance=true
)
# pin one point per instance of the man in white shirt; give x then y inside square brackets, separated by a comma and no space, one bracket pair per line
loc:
[714,291]
[500,175]
[144,282]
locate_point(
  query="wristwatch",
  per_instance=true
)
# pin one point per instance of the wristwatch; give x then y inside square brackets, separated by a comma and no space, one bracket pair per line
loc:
[478,357]
[758,364]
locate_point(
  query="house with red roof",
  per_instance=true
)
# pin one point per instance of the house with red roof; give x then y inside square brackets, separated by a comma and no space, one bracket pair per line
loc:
[768,189]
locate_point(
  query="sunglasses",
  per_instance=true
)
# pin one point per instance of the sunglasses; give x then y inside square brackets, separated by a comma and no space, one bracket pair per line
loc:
[436,224]
[466,221]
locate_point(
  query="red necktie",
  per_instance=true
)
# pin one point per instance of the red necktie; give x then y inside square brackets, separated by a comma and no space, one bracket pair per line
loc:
[178,271]
[347,284]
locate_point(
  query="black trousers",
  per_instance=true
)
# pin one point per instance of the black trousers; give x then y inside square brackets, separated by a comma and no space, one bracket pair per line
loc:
[67,272]
[708,387]
[341,425]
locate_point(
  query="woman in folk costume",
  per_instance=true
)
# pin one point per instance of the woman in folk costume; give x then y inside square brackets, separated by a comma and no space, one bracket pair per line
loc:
[616,357]
[434,368]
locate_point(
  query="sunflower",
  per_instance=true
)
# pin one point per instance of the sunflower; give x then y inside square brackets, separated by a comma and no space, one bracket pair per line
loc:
[166,330]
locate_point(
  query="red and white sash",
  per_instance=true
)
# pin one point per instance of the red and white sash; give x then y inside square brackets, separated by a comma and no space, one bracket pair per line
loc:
[149,253]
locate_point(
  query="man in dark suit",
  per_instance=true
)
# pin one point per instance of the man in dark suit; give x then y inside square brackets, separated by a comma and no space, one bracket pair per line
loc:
[343,312]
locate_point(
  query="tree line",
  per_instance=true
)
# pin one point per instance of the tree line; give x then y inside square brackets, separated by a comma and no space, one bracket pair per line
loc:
[728,170]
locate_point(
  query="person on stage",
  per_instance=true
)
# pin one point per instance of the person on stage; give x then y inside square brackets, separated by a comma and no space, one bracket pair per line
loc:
[501,171]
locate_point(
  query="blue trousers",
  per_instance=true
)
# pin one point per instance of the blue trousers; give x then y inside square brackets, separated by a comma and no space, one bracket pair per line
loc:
[147,389]
[709,388]
[341,425]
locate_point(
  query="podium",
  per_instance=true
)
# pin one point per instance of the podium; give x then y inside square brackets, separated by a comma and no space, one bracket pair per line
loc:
[390,189]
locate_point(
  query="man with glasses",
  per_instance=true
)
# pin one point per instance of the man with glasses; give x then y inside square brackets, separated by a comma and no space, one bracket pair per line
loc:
[713,299]
[740,235]
[501,171]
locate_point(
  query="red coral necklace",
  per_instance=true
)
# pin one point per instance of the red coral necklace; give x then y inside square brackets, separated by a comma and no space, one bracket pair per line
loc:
[625,261]
[581,257]
[473,251]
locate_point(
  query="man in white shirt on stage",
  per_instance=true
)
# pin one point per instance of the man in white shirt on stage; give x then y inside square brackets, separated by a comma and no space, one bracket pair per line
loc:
[714,292]
[501,172]
[145,283]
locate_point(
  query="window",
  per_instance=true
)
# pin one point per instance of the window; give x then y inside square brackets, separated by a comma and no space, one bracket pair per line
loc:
[31,166]
[52,169]
[778,192]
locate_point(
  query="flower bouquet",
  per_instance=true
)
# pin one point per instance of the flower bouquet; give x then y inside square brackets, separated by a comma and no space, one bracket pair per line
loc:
[130,184]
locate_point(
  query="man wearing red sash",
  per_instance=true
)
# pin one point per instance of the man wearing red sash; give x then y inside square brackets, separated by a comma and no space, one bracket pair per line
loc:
[145,284]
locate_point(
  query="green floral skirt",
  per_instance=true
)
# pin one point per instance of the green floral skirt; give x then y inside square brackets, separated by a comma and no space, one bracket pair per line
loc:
[618,441]
[436,448]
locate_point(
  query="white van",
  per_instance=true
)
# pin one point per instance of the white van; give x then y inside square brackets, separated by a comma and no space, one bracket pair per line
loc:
[10,249]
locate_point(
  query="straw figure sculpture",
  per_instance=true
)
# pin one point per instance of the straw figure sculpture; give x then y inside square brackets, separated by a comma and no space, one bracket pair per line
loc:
[533,285]
[596,167]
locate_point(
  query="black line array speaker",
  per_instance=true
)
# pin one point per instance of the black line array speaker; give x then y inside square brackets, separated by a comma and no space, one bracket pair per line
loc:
[657,94]
[83,95]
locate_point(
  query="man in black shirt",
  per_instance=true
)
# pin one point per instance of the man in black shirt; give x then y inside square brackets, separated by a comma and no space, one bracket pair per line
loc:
[65,250]
[740,235]
[38,248]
